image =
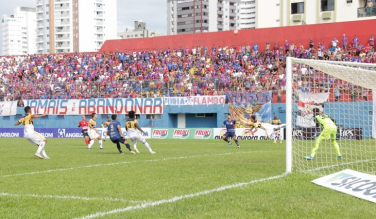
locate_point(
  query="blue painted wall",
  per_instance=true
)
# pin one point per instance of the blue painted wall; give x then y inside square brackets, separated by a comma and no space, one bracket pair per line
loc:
[200,122]
[349,115]
[168,118]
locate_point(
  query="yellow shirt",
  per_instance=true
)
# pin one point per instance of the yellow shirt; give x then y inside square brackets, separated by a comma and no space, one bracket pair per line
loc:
[93,123]
[276,122]
[28,124]
[255,124]
[130,124]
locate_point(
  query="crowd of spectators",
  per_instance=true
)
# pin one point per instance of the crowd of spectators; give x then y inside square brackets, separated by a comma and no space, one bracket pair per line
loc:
[183,71]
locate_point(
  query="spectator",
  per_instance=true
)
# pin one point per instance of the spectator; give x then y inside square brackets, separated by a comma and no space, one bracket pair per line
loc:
[365,94]
[337,94]
[344,42]
[311,44]
[372,41]
[369,7]
[334,42]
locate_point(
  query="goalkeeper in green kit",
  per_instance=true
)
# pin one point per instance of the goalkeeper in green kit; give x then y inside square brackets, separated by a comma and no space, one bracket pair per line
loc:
[329,131]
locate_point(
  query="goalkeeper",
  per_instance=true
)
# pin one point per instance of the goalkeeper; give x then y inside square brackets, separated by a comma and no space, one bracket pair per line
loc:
[329,131]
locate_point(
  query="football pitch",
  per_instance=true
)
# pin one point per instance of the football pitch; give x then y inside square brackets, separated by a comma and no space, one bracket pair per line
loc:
[184,179]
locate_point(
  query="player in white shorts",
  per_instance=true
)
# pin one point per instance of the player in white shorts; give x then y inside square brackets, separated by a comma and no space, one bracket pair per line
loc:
[277,132]
[132,127]
[34,137]
[270,129]
[93,132]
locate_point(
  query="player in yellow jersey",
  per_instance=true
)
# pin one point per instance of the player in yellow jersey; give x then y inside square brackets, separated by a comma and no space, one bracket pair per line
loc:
[132,127]
[277,131]
[254,125]
[31,135]
[105,125]
[93,132]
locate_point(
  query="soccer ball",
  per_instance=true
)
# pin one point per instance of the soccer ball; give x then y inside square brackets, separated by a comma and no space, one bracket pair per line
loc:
[236,32]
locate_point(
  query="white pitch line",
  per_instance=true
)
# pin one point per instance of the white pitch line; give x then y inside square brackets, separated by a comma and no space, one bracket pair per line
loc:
[337,165]
[70,197]
[178,198]
[126,162]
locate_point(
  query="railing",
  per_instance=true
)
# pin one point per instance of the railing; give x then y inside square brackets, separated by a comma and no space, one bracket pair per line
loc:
[367,12]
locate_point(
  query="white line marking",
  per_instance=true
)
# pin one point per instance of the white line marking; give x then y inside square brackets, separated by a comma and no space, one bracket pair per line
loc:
[70,197]
[336,165]
[178,198]
[127,162]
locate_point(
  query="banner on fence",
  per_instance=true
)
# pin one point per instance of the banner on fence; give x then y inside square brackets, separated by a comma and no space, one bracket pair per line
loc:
[307,102]
[100,106]
[242,134]
[342,134]
[246,98]
[242,113]
[8,108]
[194,100]
[188,133]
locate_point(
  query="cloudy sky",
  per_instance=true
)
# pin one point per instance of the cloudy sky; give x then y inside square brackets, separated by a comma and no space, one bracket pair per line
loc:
[153,12]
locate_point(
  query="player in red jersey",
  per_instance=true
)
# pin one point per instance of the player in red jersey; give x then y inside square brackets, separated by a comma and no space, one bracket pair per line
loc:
[84,128]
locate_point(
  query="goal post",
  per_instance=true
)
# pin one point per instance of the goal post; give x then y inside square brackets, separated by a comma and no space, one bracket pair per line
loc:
[343,91]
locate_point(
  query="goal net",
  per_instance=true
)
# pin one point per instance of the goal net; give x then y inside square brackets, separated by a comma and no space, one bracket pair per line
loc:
[342,91]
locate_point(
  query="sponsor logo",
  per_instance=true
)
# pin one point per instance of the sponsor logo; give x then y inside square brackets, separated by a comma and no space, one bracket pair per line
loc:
[160,133]
[222,132]
[346,133]
[246,132]
[61,133]
[47,135]
[73,135]
[9,135]
[203,134]
[181,133]
[351,182]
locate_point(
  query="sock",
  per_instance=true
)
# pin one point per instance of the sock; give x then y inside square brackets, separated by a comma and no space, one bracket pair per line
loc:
[225,140]
[40,147]
[237,143]
[100,143]
[44,153]
[129,147]
[90,143]
[86,141]
[118,146]
[148,146]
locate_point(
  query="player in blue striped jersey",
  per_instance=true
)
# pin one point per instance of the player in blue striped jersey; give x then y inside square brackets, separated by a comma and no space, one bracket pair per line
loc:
[230,133]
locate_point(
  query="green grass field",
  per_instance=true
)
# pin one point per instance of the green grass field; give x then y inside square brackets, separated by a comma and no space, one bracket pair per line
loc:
[185,179]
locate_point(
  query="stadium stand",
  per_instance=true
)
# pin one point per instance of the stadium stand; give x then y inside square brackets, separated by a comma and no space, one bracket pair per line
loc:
[186,71]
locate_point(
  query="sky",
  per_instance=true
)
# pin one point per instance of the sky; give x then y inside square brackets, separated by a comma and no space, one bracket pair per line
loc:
[153,12]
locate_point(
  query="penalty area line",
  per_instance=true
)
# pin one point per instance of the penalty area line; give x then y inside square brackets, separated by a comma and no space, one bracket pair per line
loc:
[178,198]
[126,162]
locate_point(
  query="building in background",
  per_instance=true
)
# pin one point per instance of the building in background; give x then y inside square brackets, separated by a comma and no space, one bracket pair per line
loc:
[198,16]
[75,25]
[279,13]
[19,32]
[139,31]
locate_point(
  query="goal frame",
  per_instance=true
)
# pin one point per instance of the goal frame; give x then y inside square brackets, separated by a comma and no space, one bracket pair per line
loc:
[289,119]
